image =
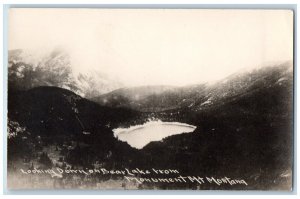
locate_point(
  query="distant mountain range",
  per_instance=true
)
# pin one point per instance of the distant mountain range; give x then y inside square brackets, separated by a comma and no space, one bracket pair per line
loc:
[54,69]
[198,97]
[27,70]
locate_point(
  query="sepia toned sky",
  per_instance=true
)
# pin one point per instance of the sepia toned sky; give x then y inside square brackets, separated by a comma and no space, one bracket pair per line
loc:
[157,46]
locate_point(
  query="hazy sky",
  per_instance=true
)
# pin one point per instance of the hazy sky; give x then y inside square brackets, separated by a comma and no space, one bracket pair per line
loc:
[150,46]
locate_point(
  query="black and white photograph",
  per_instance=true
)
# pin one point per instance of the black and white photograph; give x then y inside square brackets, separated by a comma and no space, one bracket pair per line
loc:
[150,99]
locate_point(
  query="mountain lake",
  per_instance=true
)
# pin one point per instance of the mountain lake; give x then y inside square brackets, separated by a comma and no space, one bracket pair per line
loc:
[139,136]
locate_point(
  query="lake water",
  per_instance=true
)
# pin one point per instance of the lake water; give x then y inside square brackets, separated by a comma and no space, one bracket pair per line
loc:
[140,135]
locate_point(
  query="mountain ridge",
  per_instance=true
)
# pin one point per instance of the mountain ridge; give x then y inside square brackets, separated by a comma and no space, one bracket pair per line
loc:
[198,96]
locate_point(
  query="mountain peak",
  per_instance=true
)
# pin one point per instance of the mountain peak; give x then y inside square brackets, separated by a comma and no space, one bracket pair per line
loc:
[54,68]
